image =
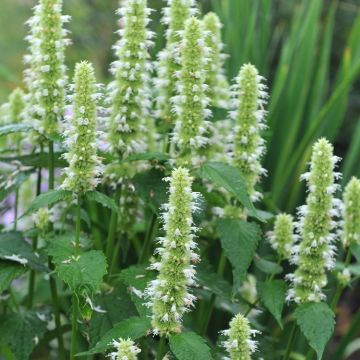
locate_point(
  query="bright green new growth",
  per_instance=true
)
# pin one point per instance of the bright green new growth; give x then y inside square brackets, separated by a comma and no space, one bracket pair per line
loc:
[351,213]
[315,253]
[175,16]
[125,350]
[191,130]
[46,75]
[42,219]
[129,92]
[249,98]
[84,169]
[282,238]
[218,90]
[169,294]
[239,344]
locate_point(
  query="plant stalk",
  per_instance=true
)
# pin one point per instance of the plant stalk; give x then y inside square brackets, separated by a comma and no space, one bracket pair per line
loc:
[148,239]
[290,342]
[161,348]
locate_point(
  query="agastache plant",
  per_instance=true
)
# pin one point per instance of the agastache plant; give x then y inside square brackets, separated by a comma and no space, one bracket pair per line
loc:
[248,113]
[45,75]
[129,92]
[169,294]
[239,344]
[125,350]
[80,138]
[314,254]
[191,104]
[351,213]
[175,15]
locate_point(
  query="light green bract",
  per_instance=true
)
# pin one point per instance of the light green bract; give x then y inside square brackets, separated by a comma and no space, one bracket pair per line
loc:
[239,343]
[81,135]
[175,15]
[169,296]
[45,75]
[282,238]
[314,255]
[125,350]
[191,131]
[351,213]
[247,145]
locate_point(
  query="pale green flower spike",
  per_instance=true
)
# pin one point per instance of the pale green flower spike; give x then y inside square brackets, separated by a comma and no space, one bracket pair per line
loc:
[169,294]
[239,343]
[81,135]
[351,213]
[191,104]
[316,227]
[175,15]
[125,350]
[282,238]
[249,97]
[129,93]
[45,76]
[218,91]
[42,219]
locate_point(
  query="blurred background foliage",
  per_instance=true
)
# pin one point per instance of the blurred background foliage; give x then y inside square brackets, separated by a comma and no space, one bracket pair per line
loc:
[309,50]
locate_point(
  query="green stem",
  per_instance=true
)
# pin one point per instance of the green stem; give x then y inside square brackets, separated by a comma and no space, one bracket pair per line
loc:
[148,239]
[16,209]
[112,229]
[290,342]
[161,348]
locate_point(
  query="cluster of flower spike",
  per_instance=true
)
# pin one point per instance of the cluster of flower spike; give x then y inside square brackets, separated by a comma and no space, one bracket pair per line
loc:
[191,104]
[351,213]
[169,293]
[315,253]
[81,134]
[175,16]
[45,75]
[125,350]
[129,92]
[239,344]
[247,146]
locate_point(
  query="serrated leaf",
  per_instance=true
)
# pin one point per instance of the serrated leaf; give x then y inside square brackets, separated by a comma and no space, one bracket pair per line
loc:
[38,160]
[22,331]
[47,199]
[9,271]
[316,321]
[267,266]
[13,183]
[133,328]
[14,248]
[137,278]
[13,128]
[148,156]
[239,239]
[272,295]
[231,179]
[189,346]
[102,199]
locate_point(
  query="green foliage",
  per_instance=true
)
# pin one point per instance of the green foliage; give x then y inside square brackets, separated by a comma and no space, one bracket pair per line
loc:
[102,199]
[9,271]
[14,128]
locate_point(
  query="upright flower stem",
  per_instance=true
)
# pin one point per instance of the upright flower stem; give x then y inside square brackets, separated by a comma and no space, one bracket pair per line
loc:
[161,348]
[52,281]
[148,239]
[290,342]
[74,326]
[16,206]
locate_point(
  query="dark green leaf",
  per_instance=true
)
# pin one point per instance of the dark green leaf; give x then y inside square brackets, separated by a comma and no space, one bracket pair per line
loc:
[355,250]
[189,346]
[13,128]
[38,160]
[231,179]
[149,156]
[9,271]
[272,295]
[102,199]
[239,239]
[268,267]
[316,321]
[133,328]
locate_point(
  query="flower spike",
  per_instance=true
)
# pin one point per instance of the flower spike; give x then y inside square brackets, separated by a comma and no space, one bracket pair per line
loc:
[125,350]
[316,228]
[169,294]
[85,168]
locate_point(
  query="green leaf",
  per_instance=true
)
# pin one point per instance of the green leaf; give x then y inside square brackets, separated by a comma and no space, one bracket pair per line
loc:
[231,179]
[239,239]
[189,346]
[137,277]
[268,267]
[14,248]
[9,271]
[355,250]
[22,331]
[272,295]
[102,199]
[13,128]
[13,182]
[148,156]
[133,327]
[38,160]
[47,199]
[316,321]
